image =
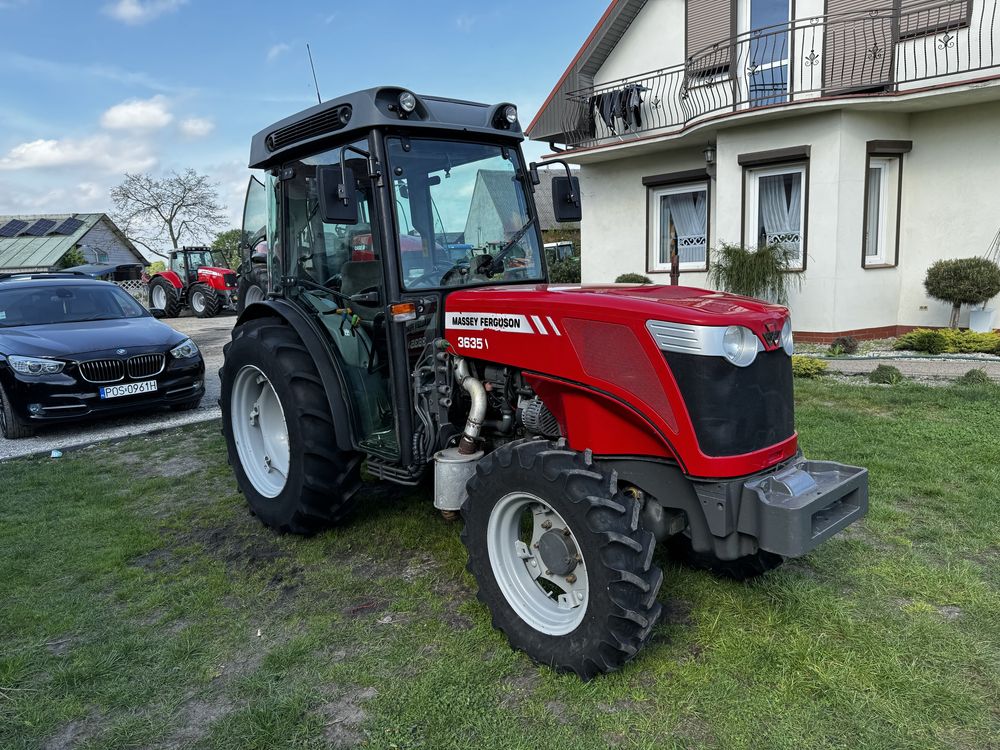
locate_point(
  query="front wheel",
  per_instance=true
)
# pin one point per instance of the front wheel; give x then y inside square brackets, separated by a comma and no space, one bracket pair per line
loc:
[279,431]
[205,301]
[11,426]
[560,557]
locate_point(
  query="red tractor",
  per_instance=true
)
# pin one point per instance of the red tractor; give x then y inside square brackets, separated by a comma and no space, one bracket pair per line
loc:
[572,428]
[196,277]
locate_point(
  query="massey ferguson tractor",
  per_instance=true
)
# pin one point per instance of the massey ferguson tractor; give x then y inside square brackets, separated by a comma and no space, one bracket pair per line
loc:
[573,429]
[196,277]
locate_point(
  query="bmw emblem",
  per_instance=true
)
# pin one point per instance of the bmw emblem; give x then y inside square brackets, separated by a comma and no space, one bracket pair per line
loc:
[121,352]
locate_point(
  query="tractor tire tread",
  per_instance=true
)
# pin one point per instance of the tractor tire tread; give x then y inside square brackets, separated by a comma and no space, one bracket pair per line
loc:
[619,621]
[173,307]
[213,302]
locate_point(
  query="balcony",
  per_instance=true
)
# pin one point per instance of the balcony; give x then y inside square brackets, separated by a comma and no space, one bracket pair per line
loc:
[866,53]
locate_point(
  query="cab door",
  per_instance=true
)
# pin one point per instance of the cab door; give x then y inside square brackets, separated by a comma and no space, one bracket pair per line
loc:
[343,286]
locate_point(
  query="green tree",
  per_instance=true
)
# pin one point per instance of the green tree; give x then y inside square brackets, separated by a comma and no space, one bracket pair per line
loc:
[157,266]
[958,281]
[73,257]
[228,243]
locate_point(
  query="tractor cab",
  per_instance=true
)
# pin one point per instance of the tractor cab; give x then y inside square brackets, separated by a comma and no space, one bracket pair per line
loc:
[372,210]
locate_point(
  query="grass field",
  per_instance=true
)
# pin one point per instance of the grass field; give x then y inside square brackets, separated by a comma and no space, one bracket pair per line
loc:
[141,605]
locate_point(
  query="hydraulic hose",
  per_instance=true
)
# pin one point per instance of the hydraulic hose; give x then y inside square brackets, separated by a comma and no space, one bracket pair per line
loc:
[477,410]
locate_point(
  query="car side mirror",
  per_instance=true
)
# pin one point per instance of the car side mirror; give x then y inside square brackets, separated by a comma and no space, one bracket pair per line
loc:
[157,312]
[566,199]
[338,195]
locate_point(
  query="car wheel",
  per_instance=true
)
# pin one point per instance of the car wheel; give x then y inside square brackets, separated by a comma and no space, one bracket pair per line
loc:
[11,425]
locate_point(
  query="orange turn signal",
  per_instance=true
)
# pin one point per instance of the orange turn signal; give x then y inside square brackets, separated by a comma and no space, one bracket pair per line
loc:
[403,311]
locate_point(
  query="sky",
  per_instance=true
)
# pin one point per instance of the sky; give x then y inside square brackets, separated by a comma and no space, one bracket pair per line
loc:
[90,89]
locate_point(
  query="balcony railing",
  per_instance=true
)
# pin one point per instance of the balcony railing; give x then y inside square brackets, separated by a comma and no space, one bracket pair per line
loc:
[870,52]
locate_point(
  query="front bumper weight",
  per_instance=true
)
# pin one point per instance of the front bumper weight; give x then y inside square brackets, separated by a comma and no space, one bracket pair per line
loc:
[794,510]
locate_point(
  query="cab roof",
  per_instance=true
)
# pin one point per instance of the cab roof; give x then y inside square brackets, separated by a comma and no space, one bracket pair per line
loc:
[372,108]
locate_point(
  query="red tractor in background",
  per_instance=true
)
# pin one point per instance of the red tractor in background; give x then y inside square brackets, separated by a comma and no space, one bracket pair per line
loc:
[196,277]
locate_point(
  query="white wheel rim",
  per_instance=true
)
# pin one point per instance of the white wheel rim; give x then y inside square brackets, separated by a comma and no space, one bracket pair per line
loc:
[518,566]
[260,431]
[159,298]
[198,302]
[254,294]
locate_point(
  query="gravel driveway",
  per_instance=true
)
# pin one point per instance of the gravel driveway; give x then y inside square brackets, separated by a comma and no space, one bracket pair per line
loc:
[210,334]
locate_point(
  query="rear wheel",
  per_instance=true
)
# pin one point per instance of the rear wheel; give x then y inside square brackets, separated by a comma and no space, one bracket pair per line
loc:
[560,557]
[741,569]
[11,425]
[250,291]
[280,434]
[205,302]
[164,295]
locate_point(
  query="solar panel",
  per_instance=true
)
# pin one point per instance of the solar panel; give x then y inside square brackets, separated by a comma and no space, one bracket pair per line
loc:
[39,228]
[12,227]
[68,226]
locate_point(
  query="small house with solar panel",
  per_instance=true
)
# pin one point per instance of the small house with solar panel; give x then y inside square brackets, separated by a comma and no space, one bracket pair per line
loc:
[39,243]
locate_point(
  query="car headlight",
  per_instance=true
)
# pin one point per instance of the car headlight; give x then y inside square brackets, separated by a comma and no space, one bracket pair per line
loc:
[35,365]
[739,346]
[787,340]
[186,349]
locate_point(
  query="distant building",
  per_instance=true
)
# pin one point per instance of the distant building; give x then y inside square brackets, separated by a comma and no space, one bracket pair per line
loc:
[39,242]
[543,198]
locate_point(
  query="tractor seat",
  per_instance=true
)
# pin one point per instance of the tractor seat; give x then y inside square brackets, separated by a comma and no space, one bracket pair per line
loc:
[357,276]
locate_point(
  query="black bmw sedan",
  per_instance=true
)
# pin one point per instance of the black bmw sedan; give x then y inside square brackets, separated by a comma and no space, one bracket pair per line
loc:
[72,347]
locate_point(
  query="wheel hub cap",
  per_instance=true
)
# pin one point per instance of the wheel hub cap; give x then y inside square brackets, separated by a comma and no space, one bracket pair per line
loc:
[260,431]
[558,552]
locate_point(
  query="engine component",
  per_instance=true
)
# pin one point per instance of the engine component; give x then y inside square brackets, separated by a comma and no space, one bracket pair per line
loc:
[452,469]
[477,410]
[538,420]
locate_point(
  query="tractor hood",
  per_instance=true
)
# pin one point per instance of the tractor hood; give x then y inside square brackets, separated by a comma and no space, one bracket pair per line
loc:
[678,304]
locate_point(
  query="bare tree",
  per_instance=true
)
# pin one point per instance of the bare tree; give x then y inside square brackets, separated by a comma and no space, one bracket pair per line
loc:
[177,207]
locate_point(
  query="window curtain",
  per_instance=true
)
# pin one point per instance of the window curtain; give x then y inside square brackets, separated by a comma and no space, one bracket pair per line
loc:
[689,215]
[872,235]
[780,198]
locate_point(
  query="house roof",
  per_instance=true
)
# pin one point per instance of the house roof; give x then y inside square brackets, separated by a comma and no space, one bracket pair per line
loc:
[609,30]
[40,240]
[497,185]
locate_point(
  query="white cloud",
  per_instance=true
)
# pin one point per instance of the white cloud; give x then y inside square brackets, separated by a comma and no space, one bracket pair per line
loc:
[138,114]
[101,152]
[277,51]
[135,12]
[196,127]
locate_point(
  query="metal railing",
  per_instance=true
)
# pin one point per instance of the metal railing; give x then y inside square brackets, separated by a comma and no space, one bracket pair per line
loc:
[862,53]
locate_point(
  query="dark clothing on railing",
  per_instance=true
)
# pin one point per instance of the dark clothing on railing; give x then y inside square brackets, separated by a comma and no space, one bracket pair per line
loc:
[624,104]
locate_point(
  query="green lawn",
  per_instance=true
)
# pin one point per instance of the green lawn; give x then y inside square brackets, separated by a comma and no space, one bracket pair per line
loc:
[141,605]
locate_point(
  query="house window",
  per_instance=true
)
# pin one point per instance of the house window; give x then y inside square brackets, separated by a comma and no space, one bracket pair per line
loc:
[882,190]
[678,222]
[775,210]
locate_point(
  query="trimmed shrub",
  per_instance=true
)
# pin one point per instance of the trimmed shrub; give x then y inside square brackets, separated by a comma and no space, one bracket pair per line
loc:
[975,376]
[808,367]
[633,278]
[886,375]
[566,271]
[950,340]
[844,345]
[963,281]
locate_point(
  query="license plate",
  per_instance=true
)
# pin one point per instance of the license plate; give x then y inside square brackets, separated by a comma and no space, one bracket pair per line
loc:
[128,389]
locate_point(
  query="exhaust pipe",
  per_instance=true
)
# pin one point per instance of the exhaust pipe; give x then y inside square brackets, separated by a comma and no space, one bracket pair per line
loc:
[453,467]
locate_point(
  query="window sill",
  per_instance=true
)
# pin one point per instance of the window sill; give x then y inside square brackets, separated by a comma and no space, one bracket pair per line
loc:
[875,266]
[700,269]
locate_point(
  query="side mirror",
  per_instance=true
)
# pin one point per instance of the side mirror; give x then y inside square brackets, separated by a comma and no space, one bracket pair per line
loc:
[338,195]
[566,199]
[158,312]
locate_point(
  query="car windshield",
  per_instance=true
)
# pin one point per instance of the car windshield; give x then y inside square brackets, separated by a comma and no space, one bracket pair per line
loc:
[49,304]
[458,206]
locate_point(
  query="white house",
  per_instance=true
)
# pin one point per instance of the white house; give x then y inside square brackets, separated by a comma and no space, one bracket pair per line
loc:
[863,134]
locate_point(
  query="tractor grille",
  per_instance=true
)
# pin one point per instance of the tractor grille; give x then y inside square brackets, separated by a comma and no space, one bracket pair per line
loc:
[145,365]
[736,410]
[230,279]
[103,370]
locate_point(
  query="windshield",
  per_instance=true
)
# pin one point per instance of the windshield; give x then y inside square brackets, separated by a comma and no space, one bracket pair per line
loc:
[459,206]
[200,258]
[45,305]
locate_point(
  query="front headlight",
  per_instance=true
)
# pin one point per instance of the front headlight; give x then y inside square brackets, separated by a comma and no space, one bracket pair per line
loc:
[186,349]
[739,346]
[35,365]
[787,340]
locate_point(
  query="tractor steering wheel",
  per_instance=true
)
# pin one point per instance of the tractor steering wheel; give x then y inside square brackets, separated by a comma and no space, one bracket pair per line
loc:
[441,274]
